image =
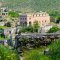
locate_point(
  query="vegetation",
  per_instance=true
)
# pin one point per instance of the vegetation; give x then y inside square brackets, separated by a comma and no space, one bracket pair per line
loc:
[13,14]
[54,14]
[53,29]
[35,26]
[38,54]
[2,27]
[30,28]
[7,54]
[32,5]
[55,50]
[58,19]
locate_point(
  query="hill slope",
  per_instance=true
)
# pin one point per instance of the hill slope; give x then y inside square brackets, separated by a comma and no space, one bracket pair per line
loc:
[32,5]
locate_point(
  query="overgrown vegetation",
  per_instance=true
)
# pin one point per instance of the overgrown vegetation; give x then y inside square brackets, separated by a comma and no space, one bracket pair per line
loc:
[7,54]
[32,5]
[55,50]
[30,28]
[13,14]
[38,54]
[53,29]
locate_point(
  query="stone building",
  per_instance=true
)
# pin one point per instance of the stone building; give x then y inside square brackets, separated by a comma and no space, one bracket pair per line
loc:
[42,18]
[4,11]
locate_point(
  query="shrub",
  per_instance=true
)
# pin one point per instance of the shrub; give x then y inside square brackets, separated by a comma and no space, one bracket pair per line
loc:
[55,50]
[13,14]
[35,55]
[53,29]
[6,54]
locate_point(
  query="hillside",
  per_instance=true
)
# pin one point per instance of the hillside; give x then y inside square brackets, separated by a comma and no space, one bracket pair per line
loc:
[32,5]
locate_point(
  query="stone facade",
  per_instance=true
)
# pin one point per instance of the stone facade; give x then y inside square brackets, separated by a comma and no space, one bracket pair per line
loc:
[4,11]
[29,18]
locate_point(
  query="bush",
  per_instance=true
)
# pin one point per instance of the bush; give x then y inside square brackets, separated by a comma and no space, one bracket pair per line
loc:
[30,28]
[58,19]
[13,14]
[55,50]
[53,29]
[35,55]
[6,54]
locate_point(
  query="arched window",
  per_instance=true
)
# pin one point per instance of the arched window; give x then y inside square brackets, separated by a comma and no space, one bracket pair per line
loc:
[33,15]
[25,23]
[30,18]
[39,14]
[36,15]
[45,20]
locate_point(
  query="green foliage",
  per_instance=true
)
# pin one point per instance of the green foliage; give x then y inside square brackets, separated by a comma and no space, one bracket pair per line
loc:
[57,19]
[55,50]
[35,26]
[2,27]
[6,54]
[53,29]
[34,5]
[35,54]
[13,14]
[23,29]
[54,15]
[26,29]
[30,28]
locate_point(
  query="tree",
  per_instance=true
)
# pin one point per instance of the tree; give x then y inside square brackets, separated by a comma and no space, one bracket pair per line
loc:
[55,50]
[54,15]
[7,54]
[13,14]
[57,19]
[53,29]
[35,26]
[29,28]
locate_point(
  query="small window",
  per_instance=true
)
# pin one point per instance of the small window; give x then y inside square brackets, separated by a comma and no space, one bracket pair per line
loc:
[36,15]
[39,14]
[3,13]
[45,20]
[21,18]
[42,14]
[30,18]
[25,18]
[33,15]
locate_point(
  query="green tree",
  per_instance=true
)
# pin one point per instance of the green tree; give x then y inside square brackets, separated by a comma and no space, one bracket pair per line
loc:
[35,26]
[54,15]
[29,28]
[7,54]
[57,19]
[53,29]
[55,50]
[13,14]
[23,29]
